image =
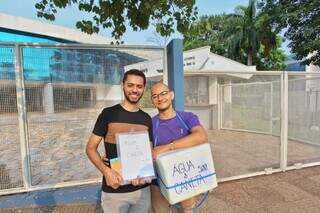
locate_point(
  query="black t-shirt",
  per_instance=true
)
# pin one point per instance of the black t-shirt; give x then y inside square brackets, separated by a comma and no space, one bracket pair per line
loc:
[114,120]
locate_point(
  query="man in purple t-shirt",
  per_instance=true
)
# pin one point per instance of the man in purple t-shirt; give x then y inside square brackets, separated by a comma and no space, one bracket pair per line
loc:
[172,130]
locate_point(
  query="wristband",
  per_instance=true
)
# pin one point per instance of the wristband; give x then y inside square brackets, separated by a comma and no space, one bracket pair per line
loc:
[172,145]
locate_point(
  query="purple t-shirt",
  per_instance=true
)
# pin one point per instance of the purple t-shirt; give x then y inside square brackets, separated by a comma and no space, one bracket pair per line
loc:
[165,131]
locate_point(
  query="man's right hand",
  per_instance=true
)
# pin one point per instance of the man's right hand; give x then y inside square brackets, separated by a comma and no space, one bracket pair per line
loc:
[113,178]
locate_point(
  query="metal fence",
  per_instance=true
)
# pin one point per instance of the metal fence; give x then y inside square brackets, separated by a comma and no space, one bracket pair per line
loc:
[263,122]
[10,176]
[258,122]
[303,118]
[50,98]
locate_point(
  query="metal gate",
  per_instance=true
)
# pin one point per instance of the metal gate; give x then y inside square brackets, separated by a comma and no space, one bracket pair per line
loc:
[50,98]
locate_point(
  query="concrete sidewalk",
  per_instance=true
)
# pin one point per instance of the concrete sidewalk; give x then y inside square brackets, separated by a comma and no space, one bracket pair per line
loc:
[296,191]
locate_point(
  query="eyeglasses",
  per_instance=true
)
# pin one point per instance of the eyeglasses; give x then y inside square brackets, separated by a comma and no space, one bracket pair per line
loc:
[161,94]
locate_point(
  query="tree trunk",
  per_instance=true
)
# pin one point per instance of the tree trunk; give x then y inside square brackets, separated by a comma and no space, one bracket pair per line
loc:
[250,57]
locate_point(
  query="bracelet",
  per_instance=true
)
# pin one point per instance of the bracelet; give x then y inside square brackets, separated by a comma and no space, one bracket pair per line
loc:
[172,145]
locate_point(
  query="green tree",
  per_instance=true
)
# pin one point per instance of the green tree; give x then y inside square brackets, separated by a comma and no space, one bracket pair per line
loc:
[242,36]
[249,33]
[301,21]
[208,31]
[166,15]
[274,60]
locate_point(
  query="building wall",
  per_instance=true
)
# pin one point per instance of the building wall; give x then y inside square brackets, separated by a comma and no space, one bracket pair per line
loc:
[72,69]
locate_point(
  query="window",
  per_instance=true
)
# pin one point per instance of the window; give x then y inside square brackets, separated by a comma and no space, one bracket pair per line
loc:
[196,90]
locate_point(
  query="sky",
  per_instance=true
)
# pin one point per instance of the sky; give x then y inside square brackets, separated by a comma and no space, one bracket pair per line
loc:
[69,16]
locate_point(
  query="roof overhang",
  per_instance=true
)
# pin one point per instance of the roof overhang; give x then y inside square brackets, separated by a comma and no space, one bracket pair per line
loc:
[49,30]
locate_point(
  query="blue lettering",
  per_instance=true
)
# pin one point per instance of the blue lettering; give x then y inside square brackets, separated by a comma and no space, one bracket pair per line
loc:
[189,184]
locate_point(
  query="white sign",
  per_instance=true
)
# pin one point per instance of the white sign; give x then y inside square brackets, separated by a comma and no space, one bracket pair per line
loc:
[134,151]
[186,172]
[190,174]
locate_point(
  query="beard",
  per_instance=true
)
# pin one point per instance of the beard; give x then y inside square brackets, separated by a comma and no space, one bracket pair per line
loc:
[127,97]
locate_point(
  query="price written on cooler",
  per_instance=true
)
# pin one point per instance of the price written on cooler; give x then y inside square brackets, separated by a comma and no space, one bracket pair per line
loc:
[203,168]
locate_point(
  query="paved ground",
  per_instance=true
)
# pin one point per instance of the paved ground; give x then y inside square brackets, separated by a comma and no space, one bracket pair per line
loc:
[296,191]
[238,153]
[54,153]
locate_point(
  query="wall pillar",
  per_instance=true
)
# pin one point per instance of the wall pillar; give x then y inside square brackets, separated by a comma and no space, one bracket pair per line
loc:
[175,72]
[48,102]
[213,90]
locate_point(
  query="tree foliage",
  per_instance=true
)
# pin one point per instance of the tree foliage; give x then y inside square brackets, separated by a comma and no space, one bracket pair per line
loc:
[249,33]
[272,59]
[245,36]
[301,21]
[208,31]
[166,15]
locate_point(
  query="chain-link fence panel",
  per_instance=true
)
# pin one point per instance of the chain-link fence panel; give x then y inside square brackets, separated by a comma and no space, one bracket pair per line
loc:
[250,117]
[276,109]
[66,89]
[10,158]
[304,119]
[250,106]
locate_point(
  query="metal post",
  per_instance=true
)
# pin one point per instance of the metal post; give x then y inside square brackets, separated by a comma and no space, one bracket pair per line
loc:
[271,108]
[284,121]
[47,98]
[22,117]
[219,105]
[175,72]
[165,66]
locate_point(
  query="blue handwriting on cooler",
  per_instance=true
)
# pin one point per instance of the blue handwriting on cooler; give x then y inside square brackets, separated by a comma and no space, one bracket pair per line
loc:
[183,169]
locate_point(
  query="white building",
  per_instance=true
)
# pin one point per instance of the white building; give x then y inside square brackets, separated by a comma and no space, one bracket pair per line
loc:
[202,70]
[29,26]
[195,61]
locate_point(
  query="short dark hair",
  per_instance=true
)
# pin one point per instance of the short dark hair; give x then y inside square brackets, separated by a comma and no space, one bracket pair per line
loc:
[134,72]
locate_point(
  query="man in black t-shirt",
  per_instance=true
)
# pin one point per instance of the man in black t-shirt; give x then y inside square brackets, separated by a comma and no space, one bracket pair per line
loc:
[121,118]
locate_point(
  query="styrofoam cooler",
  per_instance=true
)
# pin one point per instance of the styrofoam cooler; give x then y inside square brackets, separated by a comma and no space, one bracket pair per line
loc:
[184,173]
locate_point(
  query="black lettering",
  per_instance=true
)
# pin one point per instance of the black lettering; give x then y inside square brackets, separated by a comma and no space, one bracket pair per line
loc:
[190,165]
[203,168]
[175,170]
[182,168]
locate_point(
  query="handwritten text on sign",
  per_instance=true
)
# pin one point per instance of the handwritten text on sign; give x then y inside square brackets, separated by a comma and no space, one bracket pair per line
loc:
[134,151]
[189,174]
